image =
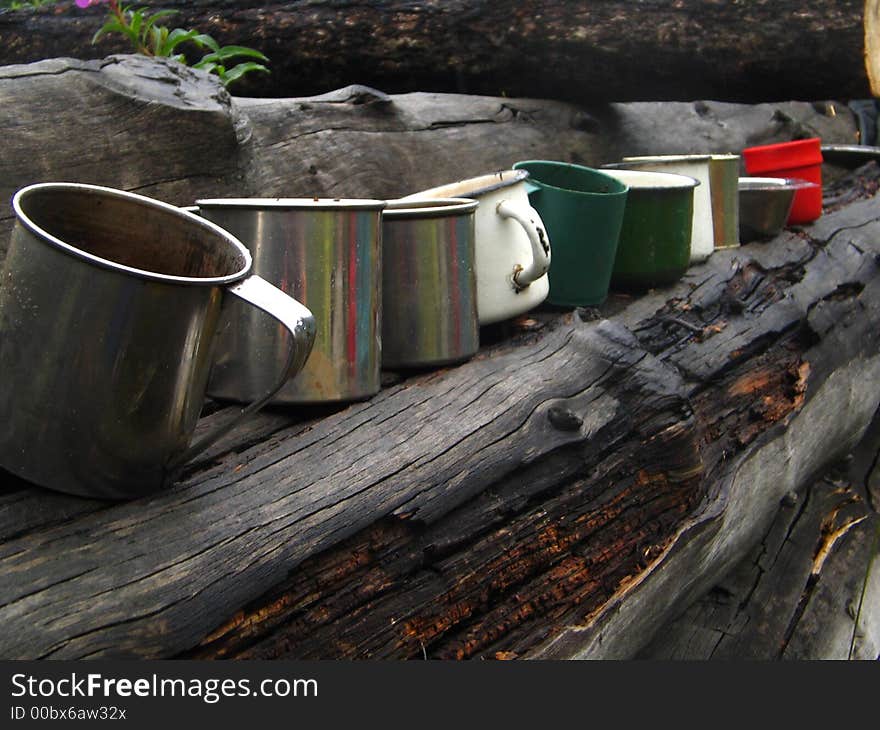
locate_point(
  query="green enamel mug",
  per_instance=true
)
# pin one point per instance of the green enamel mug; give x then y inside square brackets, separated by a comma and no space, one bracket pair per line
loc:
[655,238]
[582,210]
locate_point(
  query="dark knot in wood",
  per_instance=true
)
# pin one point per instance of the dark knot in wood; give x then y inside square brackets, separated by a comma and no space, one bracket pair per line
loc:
[564,419]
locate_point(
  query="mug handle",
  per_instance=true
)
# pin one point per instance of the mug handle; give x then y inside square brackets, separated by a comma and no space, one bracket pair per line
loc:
[534,227]
[296,318]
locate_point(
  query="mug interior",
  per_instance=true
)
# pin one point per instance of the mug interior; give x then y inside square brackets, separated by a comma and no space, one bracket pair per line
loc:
[669,159]
[125,230]
[648,180]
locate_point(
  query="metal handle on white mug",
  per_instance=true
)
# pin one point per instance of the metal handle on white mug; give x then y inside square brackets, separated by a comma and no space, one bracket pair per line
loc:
[534,227]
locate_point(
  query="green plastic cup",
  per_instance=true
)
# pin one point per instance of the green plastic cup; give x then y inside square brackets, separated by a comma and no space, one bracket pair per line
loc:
[655,238]
[582,210]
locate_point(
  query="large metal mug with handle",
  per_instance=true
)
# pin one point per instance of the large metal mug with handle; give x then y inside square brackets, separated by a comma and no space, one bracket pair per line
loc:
[511,243]
[109,305]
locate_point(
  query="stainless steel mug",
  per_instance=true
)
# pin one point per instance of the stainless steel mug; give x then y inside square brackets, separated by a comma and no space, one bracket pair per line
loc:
[327,254]
[429,293]
[109,304]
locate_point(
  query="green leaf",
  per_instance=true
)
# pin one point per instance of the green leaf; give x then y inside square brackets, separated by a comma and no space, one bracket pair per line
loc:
[205,41]
[153,17]
[149,22]
[108,27]
[127,29]
[174,39]
[156,38]
[135,23]
[236,72]
[113,25]
[227,52]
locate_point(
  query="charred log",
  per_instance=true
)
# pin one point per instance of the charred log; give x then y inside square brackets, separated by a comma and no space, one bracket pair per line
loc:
[615,50]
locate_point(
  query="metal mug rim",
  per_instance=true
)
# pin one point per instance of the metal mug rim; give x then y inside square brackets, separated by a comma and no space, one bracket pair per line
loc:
[79,253]
[497,180]
[293,203]
[429,208]
[765,183]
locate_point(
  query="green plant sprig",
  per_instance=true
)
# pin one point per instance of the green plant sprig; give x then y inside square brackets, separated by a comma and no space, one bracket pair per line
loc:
[149,38]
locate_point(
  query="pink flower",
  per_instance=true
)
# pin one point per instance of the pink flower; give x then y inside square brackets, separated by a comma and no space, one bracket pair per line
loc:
[87,3]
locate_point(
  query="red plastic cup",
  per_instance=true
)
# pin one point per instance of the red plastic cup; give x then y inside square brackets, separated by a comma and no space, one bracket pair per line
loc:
[801,159]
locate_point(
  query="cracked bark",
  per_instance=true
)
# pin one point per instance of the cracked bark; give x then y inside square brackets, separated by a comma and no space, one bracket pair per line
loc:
[800,593]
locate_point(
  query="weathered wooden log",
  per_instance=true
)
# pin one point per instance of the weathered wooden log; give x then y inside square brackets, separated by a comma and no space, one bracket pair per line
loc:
[167,131]
[562,495]
[761,412]
[432,457]
[613,50]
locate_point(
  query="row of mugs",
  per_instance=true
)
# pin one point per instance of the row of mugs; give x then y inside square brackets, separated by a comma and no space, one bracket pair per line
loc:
[118,313]
[641,222]
[633,225]
[390,284]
